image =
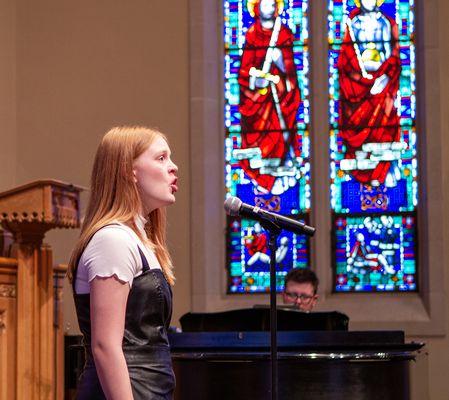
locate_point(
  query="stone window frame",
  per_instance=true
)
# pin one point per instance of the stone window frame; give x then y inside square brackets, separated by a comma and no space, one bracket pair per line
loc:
[419,314]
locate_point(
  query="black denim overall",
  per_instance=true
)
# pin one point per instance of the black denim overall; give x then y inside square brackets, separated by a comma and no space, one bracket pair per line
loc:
[145,342]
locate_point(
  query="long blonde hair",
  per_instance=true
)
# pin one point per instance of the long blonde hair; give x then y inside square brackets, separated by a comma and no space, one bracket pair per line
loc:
[115,197]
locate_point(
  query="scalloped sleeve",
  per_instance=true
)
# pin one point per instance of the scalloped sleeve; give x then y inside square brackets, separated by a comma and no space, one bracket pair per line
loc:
[111,251]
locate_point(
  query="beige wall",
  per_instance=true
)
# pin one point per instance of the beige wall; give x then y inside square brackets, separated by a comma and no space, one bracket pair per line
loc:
[430,374]
[8,134]
[436,377]
[70,70]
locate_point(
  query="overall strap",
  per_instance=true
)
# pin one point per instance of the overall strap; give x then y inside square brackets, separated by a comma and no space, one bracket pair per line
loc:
[145,266]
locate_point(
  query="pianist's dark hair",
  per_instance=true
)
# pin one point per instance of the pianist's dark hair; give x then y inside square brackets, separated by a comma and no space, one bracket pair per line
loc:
[302,275]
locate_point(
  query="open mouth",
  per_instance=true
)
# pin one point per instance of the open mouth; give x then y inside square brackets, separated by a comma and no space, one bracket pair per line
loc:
[174,187]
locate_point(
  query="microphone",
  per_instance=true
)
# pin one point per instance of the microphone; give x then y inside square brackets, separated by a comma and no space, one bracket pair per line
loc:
[235,207]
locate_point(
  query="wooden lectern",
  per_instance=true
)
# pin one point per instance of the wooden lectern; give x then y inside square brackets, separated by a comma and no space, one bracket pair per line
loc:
[30,318]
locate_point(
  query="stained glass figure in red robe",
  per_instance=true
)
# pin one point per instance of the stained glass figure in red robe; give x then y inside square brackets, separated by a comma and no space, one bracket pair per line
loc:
[256,241]
[369,68]
[269,99]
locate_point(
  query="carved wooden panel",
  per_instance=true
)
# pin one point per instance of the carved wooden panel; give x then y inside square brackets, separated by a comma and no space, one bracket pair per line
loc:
[7,290]
[47,203]
[59,273]
[30,307]
[3,354]
[8,331]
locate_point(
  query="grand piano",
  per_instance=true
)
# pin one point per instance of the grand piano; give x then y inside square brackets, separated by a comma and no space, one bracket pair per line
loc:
[227,356]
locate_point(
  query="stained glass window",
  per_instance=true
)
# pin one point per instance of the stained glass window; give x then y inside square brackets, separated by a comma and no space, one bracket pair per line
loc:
[266,68]
[373,160]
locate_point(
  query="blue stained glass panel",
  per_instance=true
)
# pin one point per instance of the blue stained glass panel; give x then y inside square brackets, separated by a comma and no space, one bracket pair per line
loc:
[372,133]
[375,253]
[267,116]
[249,256]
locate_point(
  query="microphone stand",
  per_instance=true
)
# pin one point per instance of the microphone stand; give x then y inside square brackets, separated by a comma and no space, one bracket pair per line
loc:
[274,231]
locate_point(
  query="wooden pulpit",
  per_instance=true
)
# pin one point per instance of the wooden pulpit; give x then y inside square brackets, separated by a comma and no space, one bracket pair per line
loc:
[30,287]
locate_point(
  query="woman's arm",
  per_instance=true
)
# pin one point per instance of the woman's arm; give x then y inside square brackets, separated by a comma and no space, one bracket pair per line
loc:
[108,298]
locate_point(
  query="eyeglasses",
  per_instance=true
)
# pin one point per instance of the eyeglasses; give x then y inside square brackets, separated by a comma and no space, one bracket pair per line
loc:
[305,298]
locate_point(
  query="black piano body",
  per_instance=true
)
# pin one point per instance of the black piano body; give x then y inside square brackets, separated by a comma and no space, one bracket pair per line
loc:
[330,363]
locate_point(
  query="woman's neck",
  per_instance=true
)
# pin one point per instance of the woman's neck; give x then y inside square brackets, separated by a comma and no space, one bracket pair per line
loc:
[140,222]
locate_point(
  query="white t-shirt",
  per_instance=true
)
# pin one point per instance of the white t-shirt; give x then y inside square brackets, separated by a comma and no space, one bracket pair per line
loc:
[113,250]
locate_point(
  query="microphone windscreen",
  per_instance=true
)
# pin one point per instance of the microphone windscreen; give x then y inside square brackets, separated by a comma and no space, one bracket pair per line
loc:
[232,206]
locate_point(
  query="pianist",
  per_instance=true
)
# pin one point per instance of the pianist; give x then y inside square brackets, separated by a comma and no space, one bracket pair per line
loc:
[300,289]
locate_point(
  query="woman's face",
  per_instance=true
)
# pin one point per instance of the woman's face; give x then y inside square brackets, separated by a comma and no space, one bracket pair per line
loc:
[156,176]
